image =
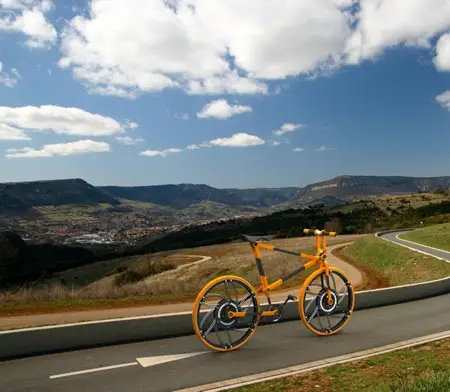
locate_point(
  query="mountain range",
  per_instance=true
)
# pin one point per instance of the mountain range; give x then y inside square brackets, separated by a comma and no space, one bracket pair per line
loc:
[22,197]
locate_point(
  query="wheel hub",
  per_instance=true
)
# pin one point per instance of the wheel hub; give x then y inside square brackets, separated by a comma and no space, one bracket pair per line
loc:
[222,312]
[325,305]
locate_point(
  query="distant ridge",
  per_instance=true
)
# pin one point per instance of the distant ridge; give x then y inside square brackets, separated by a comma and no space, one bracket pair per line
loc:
[23,196]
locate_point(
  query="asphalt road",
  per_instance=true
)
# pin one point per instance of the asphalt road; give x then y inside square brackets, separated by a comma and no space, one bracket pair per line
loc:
[272,347]
[435,252]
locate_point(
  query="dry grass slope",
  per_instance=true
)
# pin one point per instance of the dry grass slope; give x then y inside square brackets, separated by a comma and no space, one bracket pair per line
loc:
[169,286]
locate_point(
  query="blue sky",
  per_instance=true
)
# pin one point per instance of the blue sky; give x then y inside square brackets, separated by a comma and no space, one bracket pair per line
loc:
[354,77]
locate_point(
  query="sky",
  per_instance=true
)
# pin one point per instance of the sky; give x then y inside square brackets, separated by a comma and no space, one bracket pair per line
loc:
[260,93]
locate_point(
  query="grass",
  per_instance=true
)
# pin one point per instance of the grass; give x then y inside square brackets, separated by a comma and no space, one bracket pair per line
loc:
[436,236]
[423,368]
[398,265]
[414,200]
[170,286]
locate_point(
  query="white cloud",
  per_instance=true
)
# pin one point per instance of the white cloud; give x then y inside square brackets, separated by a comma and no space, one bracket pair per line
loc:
[9,79]
[229,83]
[186,44]
[274,143]
[62,149]
[298,149]
[161,153]
[11,133]
[128,140]
[40,5]
[444,99]
[238,140]
[383,24]
[442,58]
[222,110]
[324,148]
[27,17]
[197,146]
[61,120]
[287,127]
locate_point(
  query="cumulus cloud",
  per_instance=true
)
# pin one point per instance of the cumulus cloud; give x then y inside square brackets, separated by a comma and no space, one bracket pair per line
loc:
[9,79]
[27,17]
[229,83]
[188,44]
[274,143]
[298,149]
[61,120]
[128,140]
[11,133]
[383,24]
[442,58]
[160,153]
[238,140]
[235,47]
[444,99]
[62,149]
[222,110]
[287,127]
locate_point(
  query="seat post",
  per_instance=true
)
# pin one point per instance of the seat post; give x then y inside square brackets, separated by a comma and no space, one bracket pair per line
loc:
[257,254]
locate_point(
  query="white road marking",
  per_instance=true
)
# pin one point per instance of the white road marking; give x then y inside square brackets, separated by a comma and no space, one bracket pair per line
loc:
[144,362]
[414,249]
[152,361]
[100,369]
[308,367]
[416,243]
[160,315]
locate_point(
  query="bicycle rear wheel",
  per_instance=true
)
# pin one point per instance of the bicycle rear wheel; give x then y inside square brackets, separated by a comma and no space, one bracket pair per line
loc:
[213,326]
[319,315]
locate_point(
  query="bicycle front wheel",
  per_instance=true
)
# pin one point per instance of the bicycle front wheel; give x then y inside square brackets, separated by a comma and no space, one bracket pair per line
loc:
[210,314]
[326,302]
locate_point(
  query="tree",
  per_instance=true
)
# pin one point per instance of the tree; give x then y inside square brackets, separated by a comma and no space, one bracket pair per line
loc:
[333,225]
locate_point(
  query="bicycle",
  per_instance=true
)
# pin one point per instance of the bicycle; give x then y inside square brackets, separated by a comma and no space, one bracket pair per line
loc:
[229,313]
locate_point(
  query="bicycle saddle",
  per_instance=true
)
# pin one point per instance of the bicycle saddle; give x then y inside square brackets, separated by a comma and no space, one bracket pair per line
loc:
[253,239]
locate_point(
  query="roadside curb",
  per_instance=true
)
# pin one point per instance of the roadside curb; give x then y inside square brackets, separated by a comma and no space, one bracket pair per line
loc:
[67,337]
[311,366]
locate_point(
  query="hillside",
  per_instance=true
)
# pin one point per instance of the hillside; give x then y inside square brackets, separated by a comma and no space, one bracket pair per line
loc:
[351,188]
[351,218]
[175,196]
[22,196]
[18,261]
[185,195]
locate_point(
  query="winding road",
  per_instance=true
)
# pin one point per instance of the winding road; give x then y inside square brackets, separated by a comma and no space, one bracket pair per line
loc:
[160,366]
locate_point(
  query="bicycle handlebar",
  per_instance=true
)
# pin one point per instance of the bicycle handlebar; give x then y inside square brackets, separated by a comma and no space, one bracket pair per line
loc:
[320,232]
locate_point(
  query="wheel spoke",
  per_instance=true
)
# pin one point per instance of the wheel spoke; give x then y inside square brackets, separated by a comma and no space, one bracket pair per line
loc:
[336,318]
[206,316]
[236,331]
[235,291]
[226,289]
[328,320]
[213,324]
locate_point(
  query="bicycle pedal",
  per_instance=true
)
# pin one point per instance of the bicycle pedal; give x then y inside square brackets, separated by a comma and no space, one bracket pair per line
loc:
[292,297]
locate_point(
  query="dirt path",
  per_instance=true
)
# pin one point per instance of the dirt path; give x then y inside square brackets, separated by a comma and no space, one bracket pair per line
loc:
[92,315]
